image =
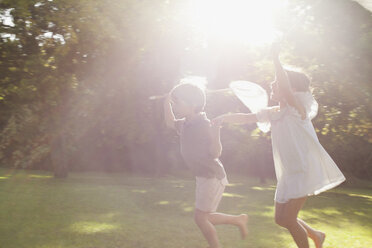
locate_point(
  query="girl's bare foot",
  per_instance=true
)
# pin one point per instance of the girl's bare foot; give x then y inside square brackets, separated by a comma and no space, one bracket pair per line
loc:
[319,239]
[242,224]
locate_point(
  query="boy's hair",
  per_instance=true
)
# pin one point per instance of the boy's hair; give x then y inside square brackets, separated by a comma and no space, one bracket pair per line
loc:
[299,81]
[190,93]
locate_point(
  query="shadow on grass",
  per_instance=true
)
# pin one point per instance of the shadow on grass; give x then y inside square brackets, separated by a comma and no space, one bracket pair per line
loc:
[339,207]
[124,211]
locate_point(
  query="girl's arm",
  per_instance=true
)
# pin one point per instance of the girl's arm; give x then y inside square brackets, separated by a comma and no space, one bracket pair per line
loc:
[169,117]
[237,118]
[283,83]
[281,77]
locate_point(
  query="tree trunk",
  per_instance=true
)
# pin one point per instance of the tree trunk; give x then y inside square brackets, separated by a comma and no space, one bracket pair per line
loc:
[59,157]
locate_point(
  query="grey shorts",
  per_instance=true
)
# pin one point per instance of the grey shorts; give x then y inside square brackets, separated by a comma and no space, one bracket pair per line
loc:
[209,193]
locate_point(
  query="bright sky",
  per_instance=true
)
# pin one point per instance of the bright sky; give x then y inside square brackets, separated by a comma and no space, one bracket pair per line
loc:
[248,21]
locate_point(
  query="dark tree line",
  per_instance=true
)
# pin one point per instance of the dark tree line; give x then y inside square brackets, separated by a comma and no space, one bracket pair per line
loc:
[76,77]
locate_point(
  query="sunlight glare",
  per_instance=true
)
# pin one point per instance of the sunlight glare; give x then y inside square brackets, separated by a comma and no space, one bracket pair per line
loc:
[248,21]
[93,227]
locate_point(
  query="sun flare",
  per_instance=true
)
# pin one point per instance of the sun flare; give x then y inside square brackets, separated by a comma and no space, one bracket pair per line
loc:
[247,21]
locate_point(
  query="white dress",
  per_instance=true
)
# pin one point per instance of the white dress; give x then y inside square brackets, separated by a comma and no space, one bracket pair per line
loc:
[302,166]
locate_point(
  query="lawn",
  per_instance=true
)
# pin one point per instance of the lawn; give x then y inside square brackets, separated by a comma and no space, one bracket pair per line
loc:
[97,210]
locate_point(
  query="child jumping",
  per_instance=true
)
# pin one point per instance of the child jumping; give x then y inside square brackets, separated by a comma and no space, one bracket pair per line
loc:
[302,166]
[200,149]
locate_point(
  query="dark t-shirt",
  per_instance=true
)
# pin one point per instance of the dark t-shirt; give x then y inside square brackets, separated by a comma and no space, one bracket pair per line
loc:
[195,144]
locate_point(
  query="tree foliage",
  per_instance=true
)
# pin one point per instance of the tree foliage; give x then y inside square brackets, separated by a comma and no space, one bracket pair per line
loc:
[76,76]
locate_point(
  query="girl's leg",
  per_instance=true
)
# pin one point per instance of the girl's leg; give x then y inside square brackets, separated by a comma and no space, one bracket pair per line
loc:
[207,228]
[237,220]
[286,216]
[317,236]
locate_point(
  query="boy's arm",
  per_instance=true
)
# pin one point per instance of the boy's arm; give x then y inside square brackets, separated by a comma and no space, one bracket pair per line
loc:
[215,129]
[169,117]
[237,118]
[215,148]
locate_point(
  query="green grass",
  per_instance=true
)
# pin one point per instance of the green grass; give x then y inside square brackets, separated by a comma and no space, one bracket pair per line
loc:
[94,210]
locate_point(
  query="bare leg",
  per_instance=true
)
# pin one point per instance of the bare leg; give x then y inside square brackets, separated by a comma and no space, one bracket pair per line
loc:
[317,236]
[237,220]
[207,228]
[286,216]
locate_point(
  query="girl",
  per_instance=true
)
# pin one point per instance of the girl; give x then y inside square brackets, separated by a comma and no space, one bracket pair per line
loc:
[302,166]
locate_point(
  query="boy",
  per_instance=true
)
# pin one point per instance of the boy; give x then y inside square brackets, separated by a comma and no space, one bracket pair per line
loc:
[200,148]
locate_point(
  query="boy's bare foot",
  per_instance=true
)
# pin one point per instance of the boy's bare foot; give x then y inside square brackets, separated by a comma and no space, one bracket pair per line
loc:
[319,239]
[242,224]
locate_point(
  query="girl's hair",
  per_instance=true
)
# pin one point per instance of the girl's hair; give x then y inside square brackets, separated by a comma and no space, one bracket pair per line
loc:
[191,94]
[298,80]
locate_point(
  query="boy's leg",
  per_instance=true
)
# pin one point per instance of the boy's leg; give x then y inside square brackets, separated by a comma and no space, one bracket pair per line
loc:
[286,216]
[237,220]
[208,195]
[207,228]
